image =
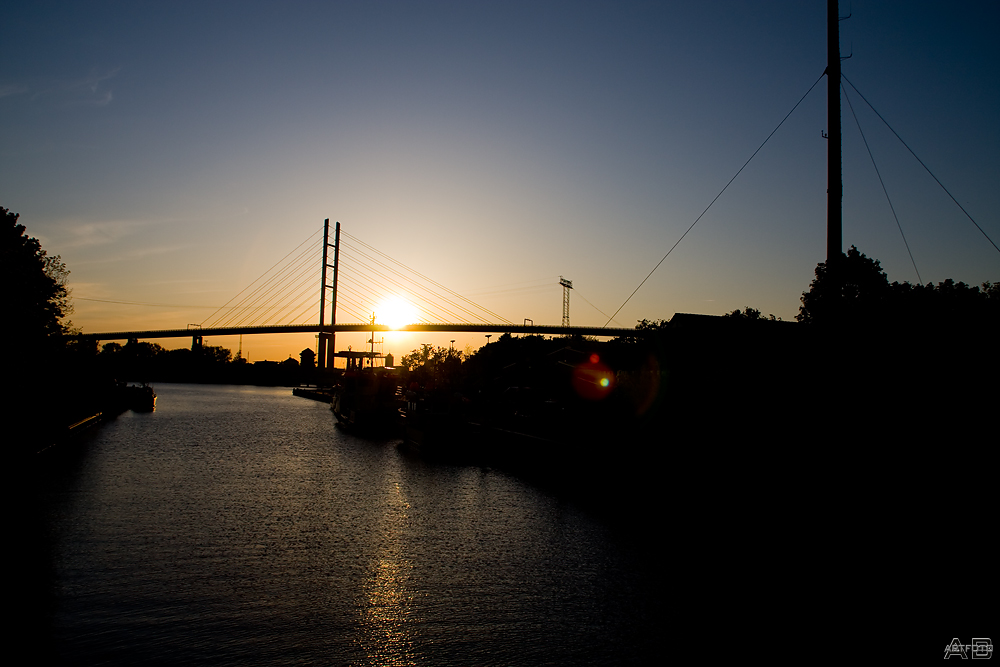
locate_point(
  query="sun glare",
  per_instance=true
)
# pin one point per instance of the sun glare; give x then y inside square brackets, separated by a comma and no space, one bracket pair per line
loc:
[396,312]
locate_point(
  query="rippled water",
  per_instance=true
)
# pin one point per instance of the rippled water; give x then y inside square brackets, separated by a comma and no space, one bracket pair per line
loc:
[237,525]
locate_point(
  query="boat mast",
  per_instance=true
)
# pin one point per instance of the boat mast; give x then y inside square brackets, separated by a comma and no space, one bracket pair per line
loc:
[835,179]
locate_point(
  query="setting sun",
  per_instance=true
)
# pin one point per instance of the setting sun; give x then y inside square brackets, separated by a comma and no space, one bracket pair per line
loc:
[396,312]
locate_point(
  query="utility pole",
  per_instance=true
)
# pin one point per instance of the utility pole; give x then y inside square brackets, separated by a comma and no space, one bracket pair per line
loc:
[567,285]
[834,175]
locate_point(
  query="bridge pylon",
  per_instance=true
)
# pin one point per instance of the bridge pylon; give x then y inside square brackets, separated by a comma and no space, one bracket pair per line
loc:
[327,341]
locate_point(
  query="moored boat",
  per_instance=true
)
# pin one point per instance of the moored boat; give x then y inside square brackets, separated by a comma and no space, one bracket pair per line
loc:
[367,401]
[141,397]
[439,432]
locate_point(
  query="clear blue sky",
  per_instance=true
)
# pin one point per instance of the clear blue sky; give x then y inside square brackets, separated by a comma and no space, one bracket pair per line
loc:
[171,152]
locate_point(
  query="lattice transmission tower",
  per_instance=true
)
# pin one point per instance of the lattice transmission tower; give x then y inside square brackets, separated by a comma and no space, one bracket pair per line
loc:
[567,285]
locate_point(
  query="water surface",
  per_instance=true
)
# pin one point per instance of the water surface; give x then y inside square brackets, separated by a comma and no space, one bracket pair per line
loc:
[238,525]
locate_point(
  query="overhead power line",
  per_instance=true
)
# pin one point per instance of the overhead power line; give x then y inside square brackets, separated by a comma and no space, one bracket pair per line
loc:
[716,198]
[595,307]
[143,303]
[879,174]
[926,168]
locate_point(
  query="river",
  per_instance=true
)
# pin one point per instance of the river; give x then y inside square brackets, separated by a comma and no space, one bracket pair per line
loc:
[237,525]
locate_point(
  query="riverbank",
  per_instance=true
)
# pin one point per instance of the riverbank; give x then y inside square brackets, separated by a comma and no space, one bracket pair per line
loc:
[321,394]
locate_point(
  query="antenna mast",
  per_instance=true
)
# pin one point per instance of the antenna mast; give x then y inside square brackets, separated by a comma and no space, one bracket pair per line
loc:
[835,178]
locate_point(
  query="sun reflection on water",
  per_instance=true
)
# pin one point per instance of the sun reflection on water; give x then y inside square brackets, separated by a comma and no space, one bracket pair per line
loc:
[387,601]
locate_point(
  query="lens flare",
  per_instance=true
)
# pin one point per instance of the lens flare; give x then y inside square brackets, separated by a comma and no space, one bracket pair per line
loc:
[593,380]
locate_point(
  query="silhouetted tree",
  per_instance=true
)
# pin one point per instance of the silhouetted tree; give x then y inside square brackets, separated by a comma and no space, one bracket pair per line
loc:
[35,296]
[417,358]
[992,292]
[749,313]
[651,325]
[144,350]
[948,303]
[440,364]
[851,290]
[659,327]
[216,354]
[111,349]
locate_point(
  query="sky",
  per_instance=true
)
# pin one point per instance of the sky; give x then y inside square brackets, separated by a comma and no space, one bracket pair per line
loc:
[171,153]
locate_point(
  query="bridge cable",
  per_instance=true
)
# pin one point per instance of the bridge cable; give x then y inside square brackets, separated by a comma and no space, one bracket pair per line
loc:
[277,286]
[716,198]
[891,207]
[926,168]
[430,280]
[261,276]
[303,299]
[418,285]
[295,266]
[296,290]
[262,304]
[411,280]
[548,281]
[382,294]
[243,303]
[354,306]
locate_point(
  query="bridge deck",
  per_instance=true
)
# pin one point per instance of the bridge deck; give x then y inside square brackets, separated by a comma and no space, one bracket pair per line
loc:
[545,329]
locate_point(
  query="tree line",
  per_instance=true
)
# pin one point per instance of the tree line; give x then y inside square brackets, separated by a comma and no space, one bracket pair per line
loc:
[924,335]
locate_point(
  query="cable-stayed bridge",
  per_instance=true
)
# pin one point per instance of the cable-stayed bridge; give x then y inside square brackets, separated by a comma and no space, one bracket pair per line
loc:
[374,290]
[365,280]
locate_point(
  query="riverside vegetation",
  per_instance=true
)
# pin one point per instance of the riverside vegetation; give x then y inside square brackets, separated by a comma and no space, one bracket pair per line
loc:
[886,356]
